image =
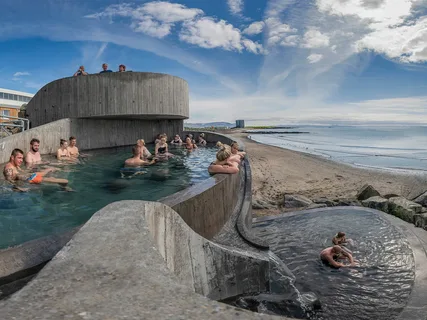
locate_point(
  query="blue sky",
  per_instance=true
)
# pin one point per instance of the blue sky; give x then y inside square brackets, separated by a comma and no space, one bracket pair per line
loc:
[269,62]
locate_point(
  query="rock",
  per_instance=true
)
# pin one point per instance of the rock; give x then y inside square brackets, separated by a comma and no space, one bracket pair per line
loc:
[376,202]
[420,220]
[261,204]
[421,199]
[366,192]
[347,202]
[390,195]
[296,201]
[317,205]
[329,203]
[403,208]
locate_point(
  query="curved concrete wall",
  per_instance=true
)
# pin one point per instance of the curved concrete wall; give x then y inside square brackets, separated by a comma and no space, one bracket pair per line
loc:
[124,95]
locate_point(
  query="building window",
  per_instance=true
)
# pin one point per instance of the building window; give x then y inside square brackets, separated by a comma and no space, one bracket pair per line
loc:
[1,95]
[4,114]
[15,97]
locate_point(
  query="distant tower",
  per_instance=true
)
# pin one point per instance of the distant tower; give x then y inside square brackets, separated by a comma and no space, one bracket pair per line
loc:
[240,123]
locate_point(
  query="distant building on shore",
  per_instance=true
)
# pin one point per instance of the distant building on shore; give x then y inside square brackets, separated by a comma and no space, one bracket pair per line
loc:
[240,123]
[11,102]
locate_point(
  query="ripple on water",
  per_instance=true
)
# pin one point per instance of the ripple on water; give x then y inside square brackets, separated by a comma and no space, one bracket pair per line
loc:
[378,289]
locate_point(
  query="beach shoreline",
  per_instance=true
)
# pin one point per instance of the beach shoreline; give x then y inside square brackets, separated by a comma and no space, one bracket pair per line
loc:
[277,172]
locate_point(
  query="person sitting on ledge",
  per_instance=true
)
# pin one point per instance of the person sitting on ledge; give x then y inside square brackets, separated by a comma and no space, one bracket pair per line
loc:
[332,255]
[177,140]
[105,68]
[122,68]
[222,164]
[14,174]
[145,154]
[33,156]
[235,150]
[81,72]
[136,160]
[201,140]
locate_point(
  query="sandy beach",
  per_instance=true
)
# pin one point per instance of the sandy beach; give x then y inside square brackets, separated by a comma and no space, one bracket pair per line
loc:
[277,171]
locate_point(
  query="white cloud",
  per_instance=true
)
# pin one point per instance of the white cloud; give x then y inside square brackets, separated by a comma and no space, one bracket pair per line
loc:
[314,57]
[277,31]
[254,28]
[290,41]
[208,33]
[155,19]
[21,73]
[315,39]
[253,47]
[235,6]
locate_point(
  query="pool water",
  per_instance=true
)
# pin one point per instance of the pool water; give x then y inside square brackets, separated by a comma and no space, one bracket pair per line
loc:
[97,181]
[378,289]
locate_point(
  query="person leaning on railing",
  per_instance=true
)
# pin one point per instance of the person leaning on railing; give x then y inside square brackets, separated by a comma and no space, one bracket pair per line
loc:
[81,72]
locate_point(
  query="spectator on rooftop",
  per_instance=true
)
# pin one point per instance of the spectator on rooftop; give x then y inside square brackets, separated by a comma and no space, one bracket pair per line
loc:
[105,68]
[81,72]
[122,68]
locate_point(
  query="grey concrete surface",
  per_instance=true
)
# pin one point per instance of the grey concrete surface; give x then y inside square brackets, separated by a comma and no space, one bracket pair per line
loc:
[126,95]
[112,269]
[416,307]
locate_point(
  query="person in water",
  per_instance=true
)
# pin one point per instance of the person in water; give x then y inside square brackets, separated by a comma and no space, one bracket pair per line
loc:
[161,150]
[235,150]
[136,160]
[33,156]
[14,174]
[63,154]
[234,157]
[339,239]
[72,148]
[145,154]
[332,255]
[177,140]
[202,141]
[222,164]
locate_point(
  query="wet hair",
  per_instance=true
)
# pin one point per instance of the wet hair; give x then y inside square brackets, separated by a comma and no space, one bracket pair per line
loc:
[72,138]
[16,151]
[135,150]
[340,235]
[223,154]
[34,140]
[62,141]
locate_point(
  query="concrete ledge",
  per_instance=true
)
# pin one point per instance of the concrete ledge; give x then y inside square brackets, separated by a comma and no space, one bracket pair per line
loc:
[111,269]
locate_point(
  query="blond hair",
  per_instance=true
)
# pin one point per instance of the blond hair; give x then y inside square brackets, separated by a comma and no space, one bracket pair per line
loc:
[235,144]
[163,140]
[140,141]
[223,154]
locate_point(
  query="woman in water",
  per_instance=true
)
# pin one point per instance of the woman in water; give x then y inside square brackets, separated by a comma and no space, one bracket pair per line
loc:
[189,143]
[63,154]
[222,164]
[161,150]
[145,154]
[235,150]
[234,157]
[177,140]
[202,141]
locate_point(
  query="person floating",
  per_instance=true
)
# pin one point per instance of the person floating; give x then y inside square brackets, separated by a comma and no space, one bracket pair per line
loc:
[333,255]
[14,174]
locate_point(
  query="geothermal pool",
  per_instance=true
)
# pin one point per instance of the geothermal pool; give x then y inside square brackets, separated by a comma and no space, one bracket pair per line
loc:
[378,289]
[98,180]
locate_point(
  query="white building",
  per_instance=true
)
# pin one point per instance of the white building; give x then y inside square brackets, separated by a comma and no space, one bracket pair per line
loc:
[11,102]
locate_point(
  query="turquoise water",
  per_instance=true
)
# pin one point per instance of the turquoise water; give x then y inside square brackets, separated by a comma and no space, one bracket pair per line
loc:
[97,181]
[391,147]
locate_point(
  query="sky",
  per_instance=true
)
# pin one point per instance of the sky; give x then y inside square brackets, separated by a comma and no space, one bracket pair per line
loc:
[267,62]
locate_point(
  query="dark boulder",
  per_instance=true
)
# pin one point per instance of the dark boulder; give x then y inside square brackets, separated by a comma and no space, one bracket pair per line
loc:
[366,192]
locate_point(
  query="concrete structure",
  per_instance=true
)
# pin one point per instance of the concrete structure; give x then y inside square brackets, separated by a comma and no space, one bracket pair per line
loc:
[124,95]
[11,102]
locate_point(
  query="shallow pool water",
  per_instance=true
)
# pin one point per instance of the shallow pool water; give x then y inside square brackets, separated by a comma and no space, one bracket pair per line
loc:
[378,289]
[97,180]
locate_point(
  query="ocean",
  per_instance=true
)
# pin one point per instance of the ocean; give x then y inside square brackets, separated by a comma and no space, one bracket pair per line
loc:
[393,147]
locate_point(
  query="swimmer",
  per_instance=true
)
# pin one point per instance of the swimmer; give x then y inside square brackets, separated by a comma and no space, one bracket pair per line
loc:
[161,150]
[331,255]
[234,157]
[189,142]
[202,141]
[14,174]
[339,239]
[235,150]
[136,160]
[222,164]
[177,140]
[63,154]
[73,150]
[33,156]
[145,154]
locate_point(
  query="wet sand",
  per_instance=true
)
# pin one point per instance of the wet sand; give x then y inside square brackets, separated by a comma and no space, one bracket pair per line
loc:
[277,171]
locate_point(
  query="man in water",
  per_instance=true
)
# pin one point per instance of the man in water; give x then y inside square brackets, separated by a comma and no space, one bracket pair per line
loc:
[72,148]
[13,173]
[136,160]
[331,255]
[33,156]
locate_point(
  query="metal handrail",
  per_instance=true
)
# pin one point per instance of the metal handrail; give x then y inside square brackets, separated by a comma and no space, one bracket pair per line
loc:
[25,123]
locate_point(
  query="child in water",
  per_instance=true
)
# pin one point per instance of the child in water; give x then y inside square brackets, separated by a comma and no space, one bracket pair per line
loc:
[339,239]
